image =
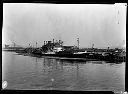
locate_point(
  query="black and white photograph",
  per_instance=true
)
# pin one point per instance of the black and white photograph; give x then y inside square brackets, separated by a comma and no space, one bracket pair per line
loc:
[65,47]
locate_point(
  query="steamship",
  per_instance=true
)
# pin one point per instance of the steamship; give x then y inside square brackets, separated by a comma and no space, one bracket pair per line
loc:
[56,49]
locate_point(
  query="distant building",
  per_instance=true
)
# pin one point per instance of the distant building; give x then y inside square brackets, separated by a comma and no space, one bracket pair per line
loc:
[6,46]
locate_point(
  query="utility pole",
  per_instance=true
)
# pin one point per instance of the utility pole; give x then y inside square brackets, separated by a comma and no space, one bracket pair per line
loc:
[78,42]
[44,42]
[92,46]
[14,44]
[53,40]
[36,44]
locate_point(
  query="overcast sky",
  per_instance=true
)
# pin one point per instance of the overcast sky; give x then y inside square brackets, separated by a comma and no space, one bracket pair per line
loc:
[103,25]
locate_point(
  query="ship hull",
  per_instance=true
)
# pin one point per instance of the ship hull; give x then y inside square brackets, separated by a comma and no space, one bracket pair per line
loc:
[88,57]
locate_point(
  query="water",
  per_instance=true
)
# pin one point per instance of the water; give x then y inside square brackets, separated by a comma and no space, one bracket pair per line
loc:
[25,72]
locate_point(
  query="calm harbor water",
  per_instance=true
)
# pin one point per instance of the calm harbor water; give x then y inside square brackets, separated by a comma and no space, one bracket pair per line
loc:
[26,72]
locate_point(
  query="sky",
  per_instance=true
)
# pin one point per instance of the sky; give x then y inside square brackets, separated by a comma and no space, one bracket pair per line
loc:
[102,25]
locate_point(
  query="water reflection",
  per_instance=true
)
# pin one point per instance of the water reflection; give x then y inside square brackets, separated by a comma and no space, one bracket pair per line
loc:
[53,66]
[49,73]
[56,72]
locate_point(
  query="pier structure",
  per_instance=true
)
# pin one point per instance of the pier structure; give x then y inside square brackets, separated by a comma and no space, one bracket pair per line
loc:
[56,48]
